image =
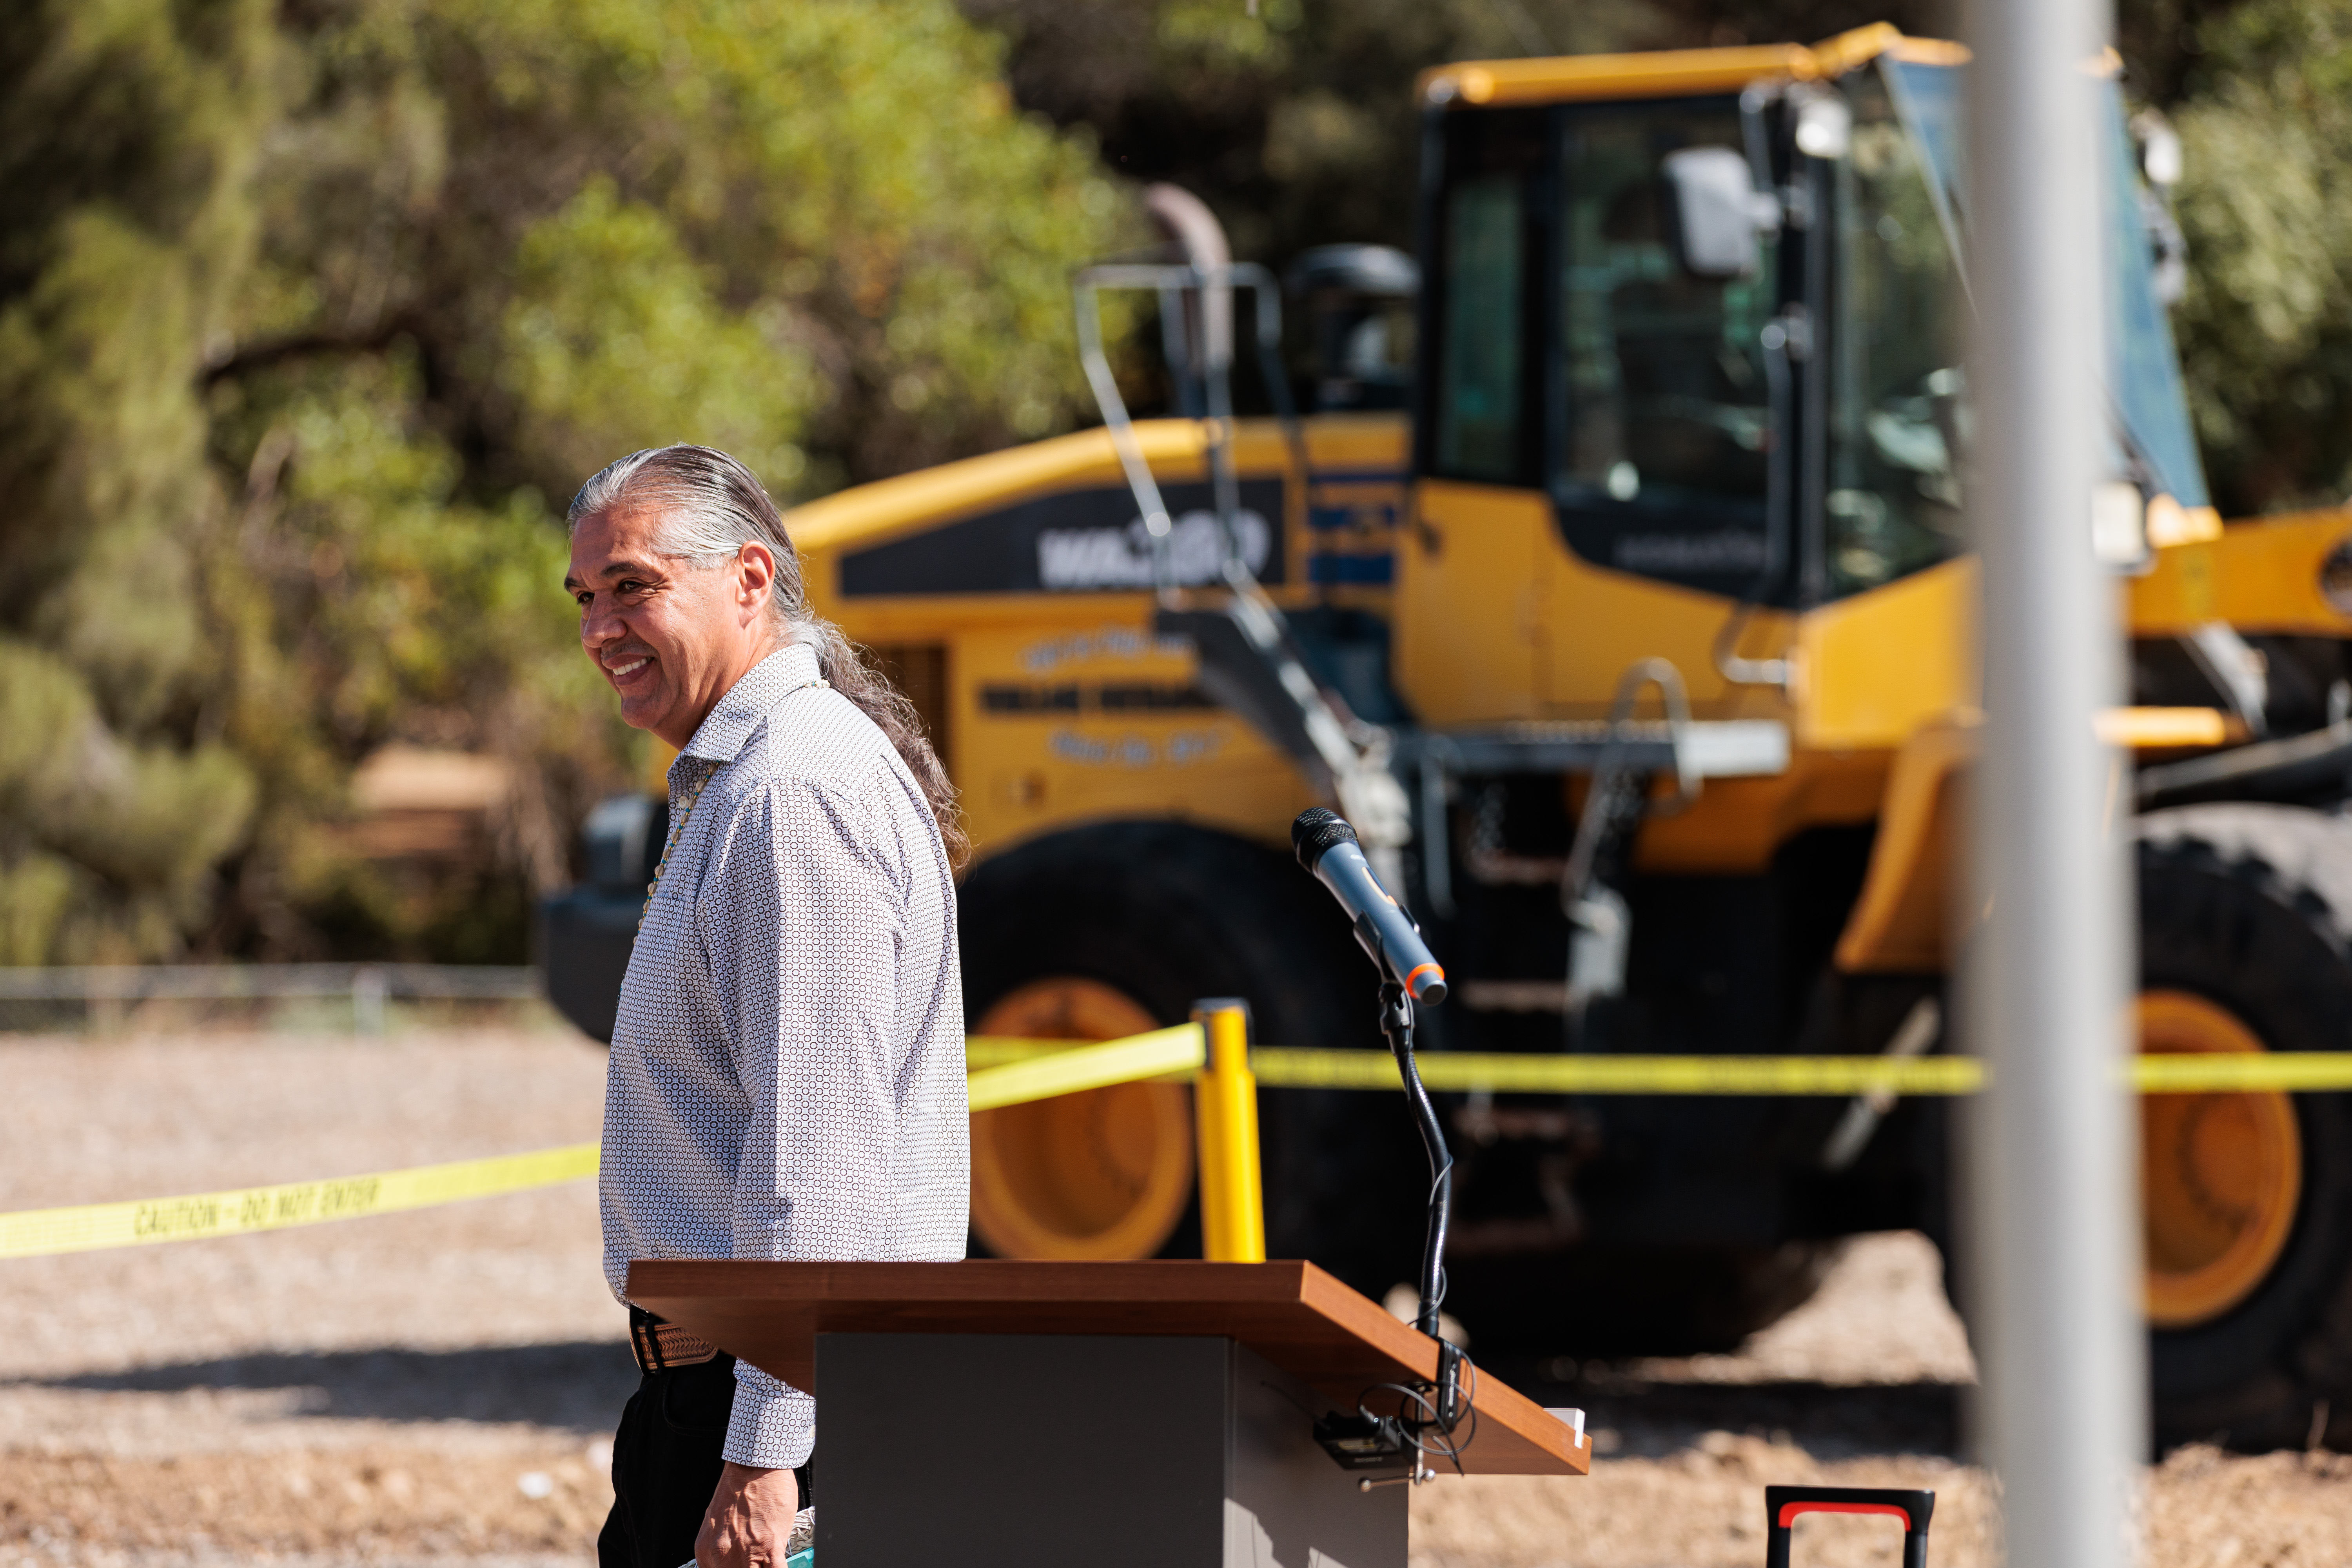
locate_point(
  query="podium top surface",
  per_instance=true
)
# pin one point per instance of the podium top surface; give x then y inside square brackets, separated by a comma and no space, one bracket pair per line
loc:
[1294,1314]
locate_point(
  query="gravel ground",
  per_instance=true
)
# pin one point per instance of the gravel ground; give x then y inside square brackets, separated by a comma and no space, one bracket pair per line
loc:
[436,1389]
[431,1387]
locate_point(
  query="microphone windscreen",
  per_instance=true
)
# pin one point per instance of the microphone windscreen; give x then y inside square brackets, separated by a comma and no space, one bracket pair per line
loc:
[1316,830]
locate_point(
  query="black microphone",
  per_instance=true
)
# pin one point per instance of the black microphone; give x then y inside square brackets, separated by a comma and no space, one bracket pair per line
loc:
[1327,846]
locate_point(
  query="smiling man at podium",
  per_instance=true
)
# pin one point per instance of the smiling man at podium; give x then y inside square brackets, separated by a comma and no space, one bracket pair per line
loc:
[787,1074]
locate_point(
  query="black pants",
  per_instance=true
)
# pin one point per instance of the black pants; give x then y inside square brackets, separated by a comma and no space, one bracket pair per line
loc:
[666,1465]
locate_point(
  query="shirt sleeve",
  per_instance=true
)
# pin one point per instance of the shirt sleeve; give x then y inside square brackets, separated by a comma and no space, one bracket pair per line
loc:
[802,919]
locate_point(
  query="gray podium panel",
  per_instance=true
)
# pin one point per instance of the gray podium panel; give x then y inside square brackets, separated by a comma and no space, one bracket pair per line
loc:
[1018,1451]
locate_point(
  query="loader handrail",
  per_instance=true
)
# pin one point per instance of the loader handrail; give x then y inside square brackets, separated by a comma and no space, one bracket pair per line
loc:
[1162,278]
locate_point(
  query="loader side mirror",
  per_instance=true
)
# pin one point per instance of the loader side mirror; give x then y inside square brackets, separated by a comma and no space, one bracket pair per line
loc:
[1717,217]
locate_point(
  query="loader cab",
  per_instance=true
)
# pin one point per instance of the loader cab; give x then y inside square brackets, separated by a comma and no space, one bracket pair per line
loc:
[1578,356]
[1691,351]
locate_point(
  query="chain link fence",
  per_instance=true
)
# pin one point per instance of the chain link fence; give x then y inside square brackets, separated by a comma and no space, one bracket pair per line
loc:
[362,997]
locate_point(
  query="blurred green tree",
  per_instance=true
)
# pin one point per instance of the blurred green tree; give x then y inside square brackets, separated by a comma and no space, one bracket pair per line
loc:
[312,314]
[129,138]
[2265,109]
[1297,126]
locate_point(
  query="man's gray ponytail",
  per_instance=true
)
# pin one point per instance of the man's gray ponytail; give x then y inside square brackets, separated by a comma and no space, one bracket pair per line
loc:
[713,506]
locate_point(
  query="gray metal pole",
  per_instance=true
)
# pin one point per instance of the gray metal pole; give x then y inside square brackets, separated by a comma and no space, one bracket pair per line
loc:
[2052,1194]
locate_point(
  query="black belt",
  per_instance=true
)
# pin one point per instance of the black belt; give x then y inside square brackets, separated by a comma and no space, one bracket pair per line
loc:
[660,1346]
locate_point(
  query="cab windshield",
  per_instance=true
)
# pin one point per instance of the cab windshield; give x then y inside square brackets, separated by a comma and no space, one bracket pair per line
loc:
[2143,368]
[1892,504]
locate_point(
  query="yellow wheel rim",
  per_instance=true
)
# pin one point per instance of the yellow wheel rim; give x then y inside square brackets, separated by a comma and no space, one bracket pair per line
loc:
[1100,1176]
[2219,1174]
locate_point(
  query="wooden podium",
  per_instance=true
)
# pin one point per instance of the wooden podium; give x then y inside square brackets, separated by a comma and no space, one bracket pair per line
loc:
[1003,1414]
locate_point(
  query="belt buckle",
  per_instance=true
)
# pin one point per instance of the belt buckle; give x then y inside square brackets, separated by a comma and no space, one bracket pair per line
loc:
[661,1346]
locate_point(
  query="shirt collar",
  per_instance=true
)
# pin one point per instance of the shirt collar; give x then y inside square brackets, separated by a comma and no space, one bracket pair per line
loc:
[749,701]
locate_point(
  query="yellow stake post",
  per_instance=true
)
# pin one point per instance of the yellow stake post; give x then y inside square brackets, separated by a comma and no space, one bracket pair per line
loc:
[1225,1111]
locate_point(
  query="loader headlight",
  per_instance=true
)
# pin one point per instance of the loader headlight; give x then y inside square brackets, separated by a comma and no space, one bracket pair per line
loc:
[2119,525]
[2335,576]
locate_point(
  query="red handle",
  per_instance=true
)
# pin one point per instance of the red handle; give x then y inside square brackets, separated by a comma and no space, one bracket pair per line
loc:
[1790,1511]
[1782,1505]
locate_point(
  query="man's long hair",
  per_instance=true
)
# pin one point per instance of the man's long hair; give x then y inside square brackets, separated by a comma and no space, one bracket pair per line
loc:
[711,507]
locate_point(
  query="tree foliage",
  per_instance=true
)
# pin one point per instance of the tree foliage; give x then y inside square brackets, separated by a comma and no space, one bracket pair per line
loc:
[2265,120]
[313,315]
[1297,126]
[128,142]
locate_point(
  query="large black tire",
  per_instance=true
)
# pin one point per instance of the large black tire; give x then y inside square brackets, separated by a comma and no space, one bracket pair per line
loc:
[2249,907]
[1168,914]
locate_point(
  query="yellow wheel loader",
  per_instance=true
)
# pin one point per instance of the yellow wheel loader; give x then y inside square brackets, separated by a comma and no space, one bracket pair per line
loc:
[1617,588]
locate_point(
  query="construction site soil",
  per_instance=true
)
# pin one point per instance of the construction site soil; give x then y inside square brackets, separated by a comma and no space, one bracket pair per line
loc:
[438,1388]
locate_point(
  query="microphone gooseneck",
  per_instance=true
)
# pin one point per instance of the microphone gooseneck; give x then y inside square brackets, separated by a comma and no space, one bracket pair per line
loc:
[1396,1023]
[1327,846]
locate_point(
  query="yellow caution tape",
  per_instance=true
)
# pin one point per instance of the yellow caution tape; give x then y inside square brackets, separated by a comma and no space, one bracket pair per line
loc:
[1283,1066]
[1029,1069]
[90,1226]
[1181,1050]
[1010,1072]
[1512,1073]
[2186,1072]
[995,1050]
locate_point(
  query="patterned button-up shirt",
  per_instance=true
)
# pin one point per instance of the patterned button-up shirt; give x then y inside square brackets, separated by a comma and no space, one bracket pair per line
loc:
[787,1078]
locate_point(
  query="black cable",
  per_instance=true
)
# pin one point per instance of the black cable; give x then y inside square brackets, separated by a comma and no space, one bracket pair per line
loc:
[1427,1434]
[1396,1023]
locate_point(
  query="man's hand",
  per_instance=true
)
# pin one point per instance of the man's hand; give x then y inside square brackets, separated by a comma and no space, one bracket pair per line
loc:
[750,1516]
